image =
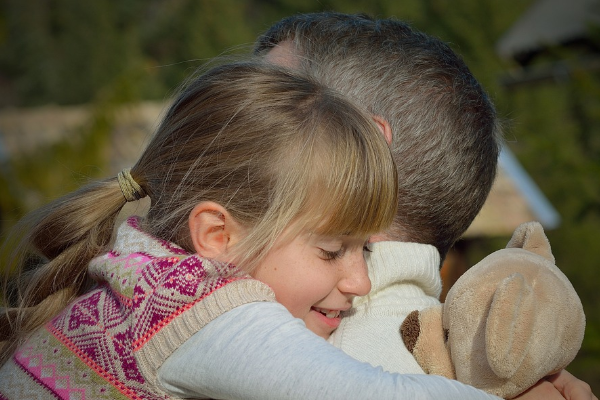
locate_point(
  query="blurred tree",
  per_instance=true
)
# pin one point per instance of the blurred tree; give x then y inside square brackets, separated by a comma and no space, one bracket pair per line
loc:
[178,36]
[63,51]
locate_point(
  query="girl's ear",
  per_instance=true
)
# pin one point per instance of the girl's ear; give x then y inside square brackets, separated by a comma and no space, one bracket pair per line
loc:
[213,230]
[384,127]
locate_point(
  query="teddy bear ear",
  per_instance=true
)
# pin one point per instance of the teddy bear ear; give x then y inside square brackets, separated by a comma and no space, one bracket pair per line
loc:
[530,236]
[410,330]
[509,325]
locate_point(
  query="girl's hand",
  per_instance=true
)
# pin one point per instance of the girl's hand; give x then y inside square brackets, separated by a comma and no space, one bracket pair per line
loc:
[561,385]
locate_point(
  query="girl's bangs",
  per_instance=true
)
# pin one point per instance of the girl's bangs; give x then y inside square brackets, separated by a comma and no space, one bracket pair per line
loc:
[353,196]
[331,175]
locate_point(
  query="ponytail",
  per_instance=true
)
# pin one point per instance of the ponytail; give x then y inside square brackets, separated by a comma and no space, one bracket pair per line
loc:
[63,236]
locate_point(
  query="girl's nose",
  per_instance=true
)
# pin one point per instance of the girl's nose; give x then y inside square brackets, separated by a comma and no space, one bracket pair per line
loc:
[355,279]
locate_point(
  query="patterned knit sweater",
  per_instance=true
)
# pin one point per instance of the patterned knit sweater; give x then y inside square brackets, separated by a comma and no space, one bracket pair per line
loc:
[151,296]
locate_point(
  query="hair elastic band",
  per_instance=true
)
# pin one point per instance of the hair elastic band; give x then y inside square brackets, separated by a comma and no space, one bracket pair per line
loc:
[129,187]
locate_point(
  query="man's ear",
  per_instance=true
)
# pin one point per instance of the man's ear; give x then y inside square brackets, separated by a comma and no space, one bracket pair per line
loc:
[384,127]
[213,230]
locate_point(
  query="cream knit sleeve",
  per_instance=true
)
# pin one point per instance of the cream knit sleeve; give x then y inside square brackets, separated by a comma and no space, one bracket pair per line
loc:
[260,351]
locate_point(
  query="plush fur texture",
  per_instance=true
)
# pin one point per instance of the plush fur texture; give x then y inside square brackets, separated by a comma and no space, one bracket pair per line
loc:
[510,320]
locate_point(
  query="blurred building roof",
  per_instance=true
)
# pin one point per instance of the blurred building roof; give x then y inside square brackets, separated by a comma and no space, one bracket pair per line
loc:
[514,199]
[549,23]
[544,27]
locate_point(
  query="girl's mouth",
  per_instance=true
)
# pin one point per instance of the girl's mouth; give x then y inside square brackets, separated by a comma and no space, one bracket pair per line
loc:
[327,313]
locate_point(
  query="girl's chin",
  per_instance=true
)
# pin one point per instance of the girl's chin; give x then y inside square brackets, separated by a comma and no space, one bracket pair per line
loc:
[320,324]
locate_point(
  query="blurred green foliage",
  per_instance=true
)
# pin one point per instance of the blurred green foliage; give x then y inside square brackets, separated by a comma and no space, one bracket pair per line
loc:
[106,53]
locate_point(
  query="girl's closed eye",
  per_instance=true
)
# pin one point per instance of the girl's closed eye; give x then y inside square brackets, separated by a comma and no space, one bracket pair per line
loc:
[329,255]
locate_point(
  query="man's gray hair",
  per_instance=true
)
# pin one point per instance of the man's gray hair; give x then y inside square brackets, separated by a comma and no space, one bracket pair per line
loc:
[444,126]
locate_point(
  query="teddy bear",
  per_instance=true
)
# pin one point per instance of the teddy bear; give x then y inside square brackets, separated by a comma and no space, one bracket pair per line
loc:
[506,323]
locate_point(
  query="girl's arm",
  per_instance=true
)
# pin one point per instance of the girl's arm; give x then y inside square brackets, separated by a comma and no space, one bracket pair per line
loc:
[260,351]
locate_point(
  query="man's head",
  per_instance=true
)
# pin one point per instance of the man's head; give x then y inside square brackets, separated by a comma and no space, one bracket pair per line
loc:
[443,125]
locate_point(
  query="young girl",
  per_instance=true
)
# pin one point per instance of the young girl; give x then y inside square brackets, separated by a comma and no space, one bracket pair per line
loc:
[255,177]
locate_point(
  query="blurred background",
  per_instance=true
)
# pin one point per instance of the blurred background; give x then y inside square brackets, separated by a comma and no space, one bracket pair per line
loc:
[82,86]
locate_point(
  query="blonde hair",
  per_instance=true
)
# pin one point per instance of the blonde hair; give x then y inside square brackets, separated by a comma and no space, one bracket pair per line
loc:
[271,147]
